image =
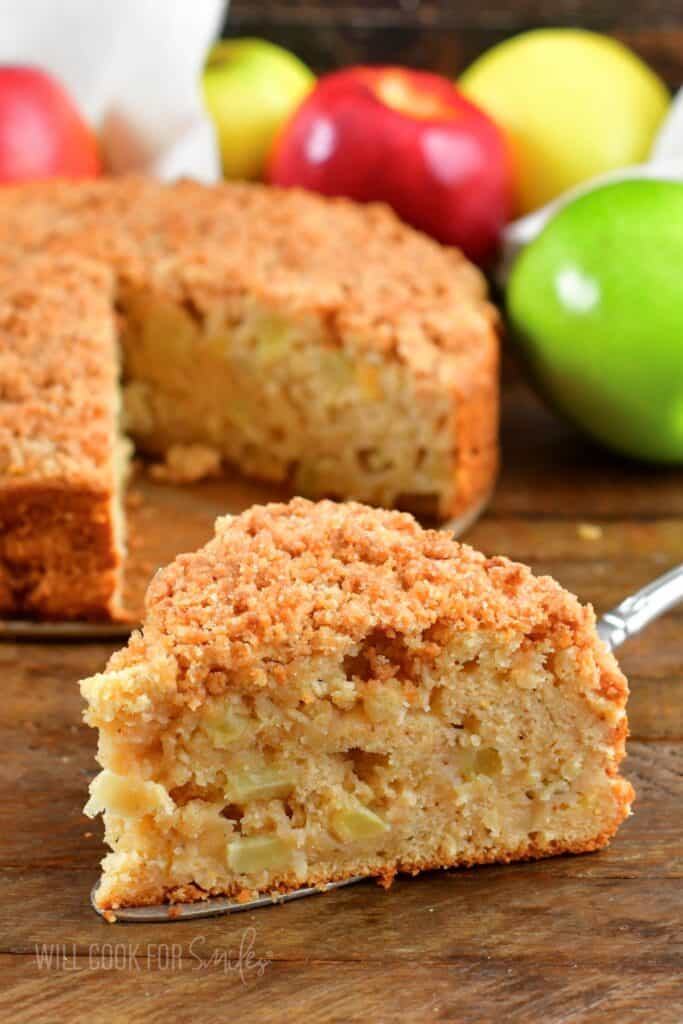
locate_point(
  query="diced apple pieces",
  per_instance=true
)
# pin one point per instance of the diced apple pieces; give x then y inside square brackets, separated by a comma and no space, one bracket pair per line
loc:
[240,412]
[164,324]
[474,761]
[336,368]
[225,727]
[259,783]
[127,797]
[272,338]
[487,761]
[251,854]
[384,704]
[368,381]
[357,822]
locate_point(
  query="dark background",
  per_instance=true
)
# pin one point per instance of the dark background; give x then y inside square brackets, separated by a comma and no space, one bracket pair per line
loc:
[445,36]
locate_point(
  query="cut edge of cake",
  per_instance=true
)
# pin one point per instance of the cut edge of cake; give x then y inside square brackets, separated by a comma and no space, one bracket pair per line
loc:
[63,459]
[294,402]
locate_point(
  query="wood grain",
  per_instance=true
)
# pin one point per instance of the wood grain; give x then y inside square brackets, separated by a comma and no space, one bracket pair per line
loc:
[573,939]
[502,14]
[329,993]
[444,36]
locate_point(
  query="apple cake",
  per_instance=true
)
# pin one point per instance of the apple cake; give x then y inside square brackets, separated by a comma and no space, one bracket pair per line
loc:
[312,342]
[328,690]
[61,460]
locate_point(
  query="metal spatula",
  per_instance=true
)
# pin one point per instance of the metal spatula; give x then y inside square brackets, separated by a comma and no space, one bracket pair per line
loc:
[627,619]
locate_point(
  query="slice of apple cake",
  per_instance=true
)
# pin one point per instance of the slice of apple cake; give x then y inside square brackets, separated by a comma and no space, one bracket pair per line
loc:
[327,690]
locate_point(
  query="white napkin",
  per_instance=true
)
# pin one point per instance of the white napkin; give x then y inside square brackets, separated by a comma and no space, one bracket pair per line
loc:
[665,162]
[133,67]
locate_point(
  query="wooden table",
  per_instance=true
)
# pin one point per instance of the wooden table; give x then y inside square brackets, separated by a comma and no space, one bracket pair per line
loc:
[592,938]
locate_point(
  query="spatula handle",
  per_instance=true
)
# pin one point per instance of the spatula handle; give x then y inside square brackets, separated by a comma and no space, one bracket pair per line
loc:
[633,614]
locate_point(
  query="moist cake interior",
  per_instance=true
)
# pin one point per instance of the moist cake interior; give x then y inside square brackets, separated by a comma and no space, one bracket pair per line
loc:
[278,397]
[450,710]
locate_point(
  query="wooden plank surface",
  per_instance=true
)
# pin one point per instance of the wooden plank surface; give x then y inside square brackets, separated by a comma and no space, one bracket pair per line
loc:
[592,938]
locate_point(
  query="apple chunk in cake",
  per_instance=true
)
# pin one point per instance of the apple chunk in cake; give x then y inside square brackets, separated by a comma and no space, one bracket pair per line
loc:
[274,393]
[327,690]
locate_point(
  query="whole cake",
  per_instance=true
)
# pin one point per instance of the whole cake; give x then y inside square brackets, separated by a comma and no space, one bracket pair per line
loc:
[328,690]
[309,341]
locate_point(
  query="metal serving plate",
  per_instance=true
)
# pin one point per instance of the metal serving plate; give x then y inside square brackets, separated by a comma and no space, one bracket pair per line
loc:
[19,629]
[214,906]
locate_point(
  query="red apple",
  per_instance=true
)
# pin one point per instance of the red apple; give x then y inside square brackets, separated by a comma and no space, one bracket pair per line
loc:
[42,134]
[408,138]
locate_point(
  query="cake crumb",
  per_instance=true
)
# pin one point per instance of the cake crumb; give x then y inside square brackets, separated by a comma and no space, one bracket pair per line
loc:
[110,917]
[187,464]
[589,531]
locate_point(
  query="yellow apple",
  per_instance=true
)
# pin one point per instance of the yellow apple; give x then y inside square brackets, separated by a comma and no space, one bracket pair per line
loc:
[250,88]
[574,104]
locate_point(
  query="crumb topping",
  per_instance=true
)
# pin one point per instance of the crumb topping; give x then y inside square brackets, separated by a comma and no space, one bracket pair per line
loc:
[376,283]
[58,370]
[283,583]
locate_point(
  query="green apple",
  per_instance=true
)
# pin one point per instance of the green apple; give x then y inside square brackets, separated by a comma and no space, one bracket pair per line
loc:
[251,87]
[597,305]
[574,104]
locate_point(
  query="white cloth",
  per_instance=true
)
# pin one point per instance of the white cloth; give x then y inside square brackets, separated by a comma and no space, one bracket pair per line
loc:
[134,69]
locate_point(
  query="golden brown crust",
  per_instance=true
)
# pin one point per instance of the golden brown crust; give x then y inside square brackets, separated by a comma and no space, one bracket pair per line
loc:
[284,583]
[59,556]
[58,367]
[58,371]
